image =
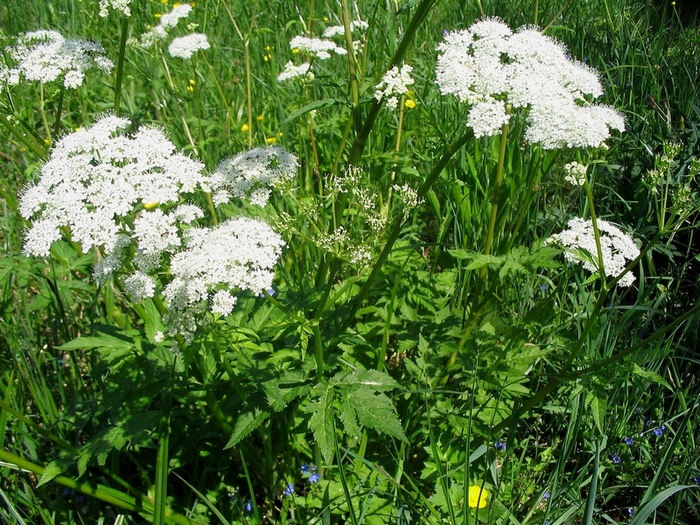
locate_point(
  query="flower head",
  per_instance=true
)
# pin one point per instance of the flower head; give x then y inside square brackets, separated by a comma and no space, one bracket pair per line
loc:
[394,84]
[252,174]
[477,497]
[288,490]
[44,56]
[629,441]
[186,46]
[317,47]
[490,68]
[118,5]
[617,248]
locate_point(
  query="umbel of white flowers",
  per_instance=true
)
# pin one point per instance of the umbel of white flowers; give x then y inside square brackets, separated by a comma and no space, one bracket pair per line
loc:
[617,249]
[125,196]
[45,56]
[495,71]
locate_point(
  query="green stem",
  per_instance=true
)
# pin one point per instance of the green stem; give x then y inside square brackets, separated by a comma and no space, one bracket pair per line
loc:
[395,228]
[120,65]
[95,490]
[496,189]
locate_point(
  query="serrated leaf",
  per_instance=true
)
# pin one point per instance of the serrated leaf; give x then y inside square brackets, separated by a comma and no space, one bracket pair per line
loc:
[245,424]
[597,403]
[52,470]
[375,411]
[481,261]
[651,376]
[322,425]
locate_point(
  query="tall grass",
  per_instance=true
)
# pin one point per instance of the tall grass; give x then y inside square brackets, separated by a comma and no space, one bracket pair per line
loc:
[462,353]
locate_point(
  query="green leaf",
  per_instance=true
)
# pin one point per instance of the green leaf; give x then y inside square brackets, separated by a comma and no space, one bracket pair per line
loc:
[322,425]
[651,376]
[375,411]
[310,107]
[103,341]
[596,401]
[52,470]
[245,424]
[646,510]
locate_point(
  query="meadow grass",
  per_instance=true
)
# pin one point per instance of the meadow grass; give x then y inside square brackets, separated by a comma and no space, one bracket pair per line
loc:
[411,353]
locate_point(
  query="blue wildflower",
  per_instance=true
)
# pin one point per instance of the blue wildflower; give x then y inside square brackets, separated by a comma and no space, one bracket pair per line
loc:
[630,511]
[502,445]
[615,458]
[248,507]
[696,479]
[305,469]
[546,495]
[289,490]
[659,431]
[628,441]
[315,477]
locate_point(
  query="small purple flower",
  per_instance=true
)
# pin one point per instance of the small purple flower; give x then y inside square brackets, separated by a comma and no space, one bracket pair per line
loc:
[314,477]
[648,422]
[546,495]
[696,479]
[630,511]
[248,507]
[502,445]
[615,458]
[628,441]
[659,431]
[305,469]
[289,490]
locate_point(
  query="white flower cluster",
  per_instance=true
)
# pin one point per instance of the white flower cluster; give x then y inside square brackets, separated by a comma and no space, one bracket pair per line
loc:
[320,48]
[238,254]
[394,84]
[291,71]
[617,248]
[118,5]
[45,56]
[252,174]
[186,46]
[167,22]
[575,173]
[490,67]
[122,194]
[355,25]
[96,176]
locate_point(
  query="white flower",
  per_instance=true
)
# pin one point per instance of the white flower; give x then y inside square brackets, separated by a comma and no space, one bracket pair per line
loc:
[96,177]
[237,255]
[394,84]
[488,67]
[251,174]
[169,20]
[186,46]
[139,286]
[487,117]
[316,46]
[575,173]
[617,248]
[332,31]
[44,56]
[223,302]
[291,71]
[117,5]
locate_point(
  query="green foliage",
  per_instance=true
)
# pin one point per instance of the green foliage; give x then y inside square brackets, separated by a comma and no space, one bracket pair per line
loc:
[422,337]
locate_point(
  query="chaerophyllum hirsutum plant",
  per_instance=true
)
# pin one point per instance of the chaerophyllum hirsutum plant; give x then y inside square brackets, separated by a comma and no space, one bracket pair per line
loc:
[134,199]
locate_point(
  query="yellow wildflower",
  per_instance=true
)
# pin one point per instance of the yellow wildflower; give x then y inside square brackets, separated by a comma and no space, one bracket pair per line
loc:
[410,103]
[150,205]
[260,118]
[271,140]
[244,128]
[477,497]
